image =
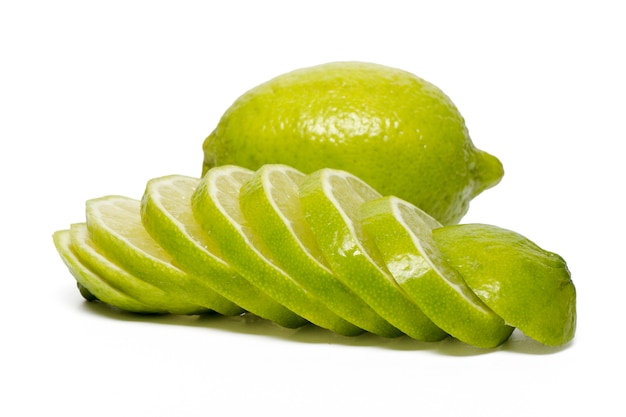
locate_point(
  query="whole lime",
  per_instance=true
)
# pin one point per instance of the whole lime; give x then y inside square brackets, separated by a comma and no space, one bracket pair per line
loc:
[396,131]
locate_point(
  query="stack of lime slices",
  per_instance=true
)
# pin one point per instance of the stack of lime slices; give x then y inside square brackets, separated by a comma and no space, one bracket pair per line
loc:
[322,249]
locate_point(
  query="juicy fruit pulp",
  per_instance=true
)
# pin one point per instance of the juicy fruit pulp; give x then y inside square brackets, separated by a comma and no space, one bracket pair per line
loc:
[399,133]
[323,248]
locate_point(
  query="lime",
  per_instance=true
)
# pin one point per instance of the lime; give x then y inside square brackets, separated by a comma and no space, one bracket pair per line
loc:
[396,131]
[115,226]
[529,287]
[270,204]
[331,200]
[403,233]
[105,280]
[215,204]
[168,217]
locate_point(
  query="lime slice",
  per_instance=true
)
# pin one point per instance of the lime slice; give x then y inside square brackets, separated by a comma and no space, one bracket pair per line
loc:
[107,282]
[331,200]
[270,204]
[215,204]
[167,216]
[529,287]
[403,233]
[115,226]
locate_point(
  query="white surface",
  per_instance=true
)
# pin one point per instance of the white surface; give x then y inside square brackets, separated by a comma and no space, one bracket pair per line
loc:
[97,99]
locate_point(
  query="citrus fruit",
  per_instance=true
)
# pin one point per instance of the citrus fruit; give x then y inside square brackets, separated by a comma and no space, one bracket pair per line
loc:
[115,226]
[399,133]
[215,204]
[93,285]
[331,200]
[529,287]
[403,233]
[167,215]
[270,203]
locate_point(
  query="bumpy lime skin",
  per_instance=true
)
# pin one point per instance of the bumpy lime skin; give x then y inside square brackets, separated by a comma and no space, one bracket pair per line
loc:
[529,287]
[399,133]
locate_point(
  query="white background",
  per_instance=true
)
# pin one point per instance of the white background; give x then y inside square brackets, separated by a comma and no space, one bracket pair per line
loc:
[98,97]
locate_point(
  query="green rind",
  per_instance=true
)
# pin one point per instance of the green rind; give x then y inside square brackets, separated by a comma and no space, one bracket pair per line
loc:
[304,262]
[187,293]
[181,235]
[242,248]
[530,288]
[97,285]
[403,234]
[353,257]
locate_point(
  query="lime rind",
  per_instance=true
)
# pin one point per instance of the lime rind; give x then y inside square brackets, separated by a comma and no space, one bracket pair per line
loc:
[92,282]
[331,200]
[529,287]
[270,203]
[215,204]
[403,234]
[114,224]
[174,226]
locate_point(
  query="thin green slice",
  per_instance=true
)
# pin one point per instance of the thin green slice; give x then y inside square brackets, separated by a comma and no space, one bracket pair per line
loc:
[166,213]
[270,203]
[331,200]
[215,205]
[529,287]
[114,224]
[98,287]
[403,233]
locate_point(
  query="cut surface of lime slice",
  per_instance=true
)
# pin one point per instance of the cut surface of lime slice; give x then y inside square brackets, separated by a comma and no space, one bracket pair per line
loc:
[168,217]
[115,226]
[106,281]
[215,205]
[331,200]
[403,233]
[271,205]
[529,287]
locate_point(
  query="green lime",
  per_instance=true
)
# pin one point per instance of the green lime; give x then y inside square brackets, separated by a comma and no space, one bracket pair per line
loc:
[115,226]
[104,279]
[396,131]
[215,204]
[331,200]
[168,217]
[270,203]
[403,233]
[529,287]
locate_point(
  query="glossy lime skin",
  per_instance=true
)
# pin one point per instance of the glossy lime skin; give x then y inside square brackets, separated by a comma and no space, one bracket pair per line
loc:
[529,287]
[396,131]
